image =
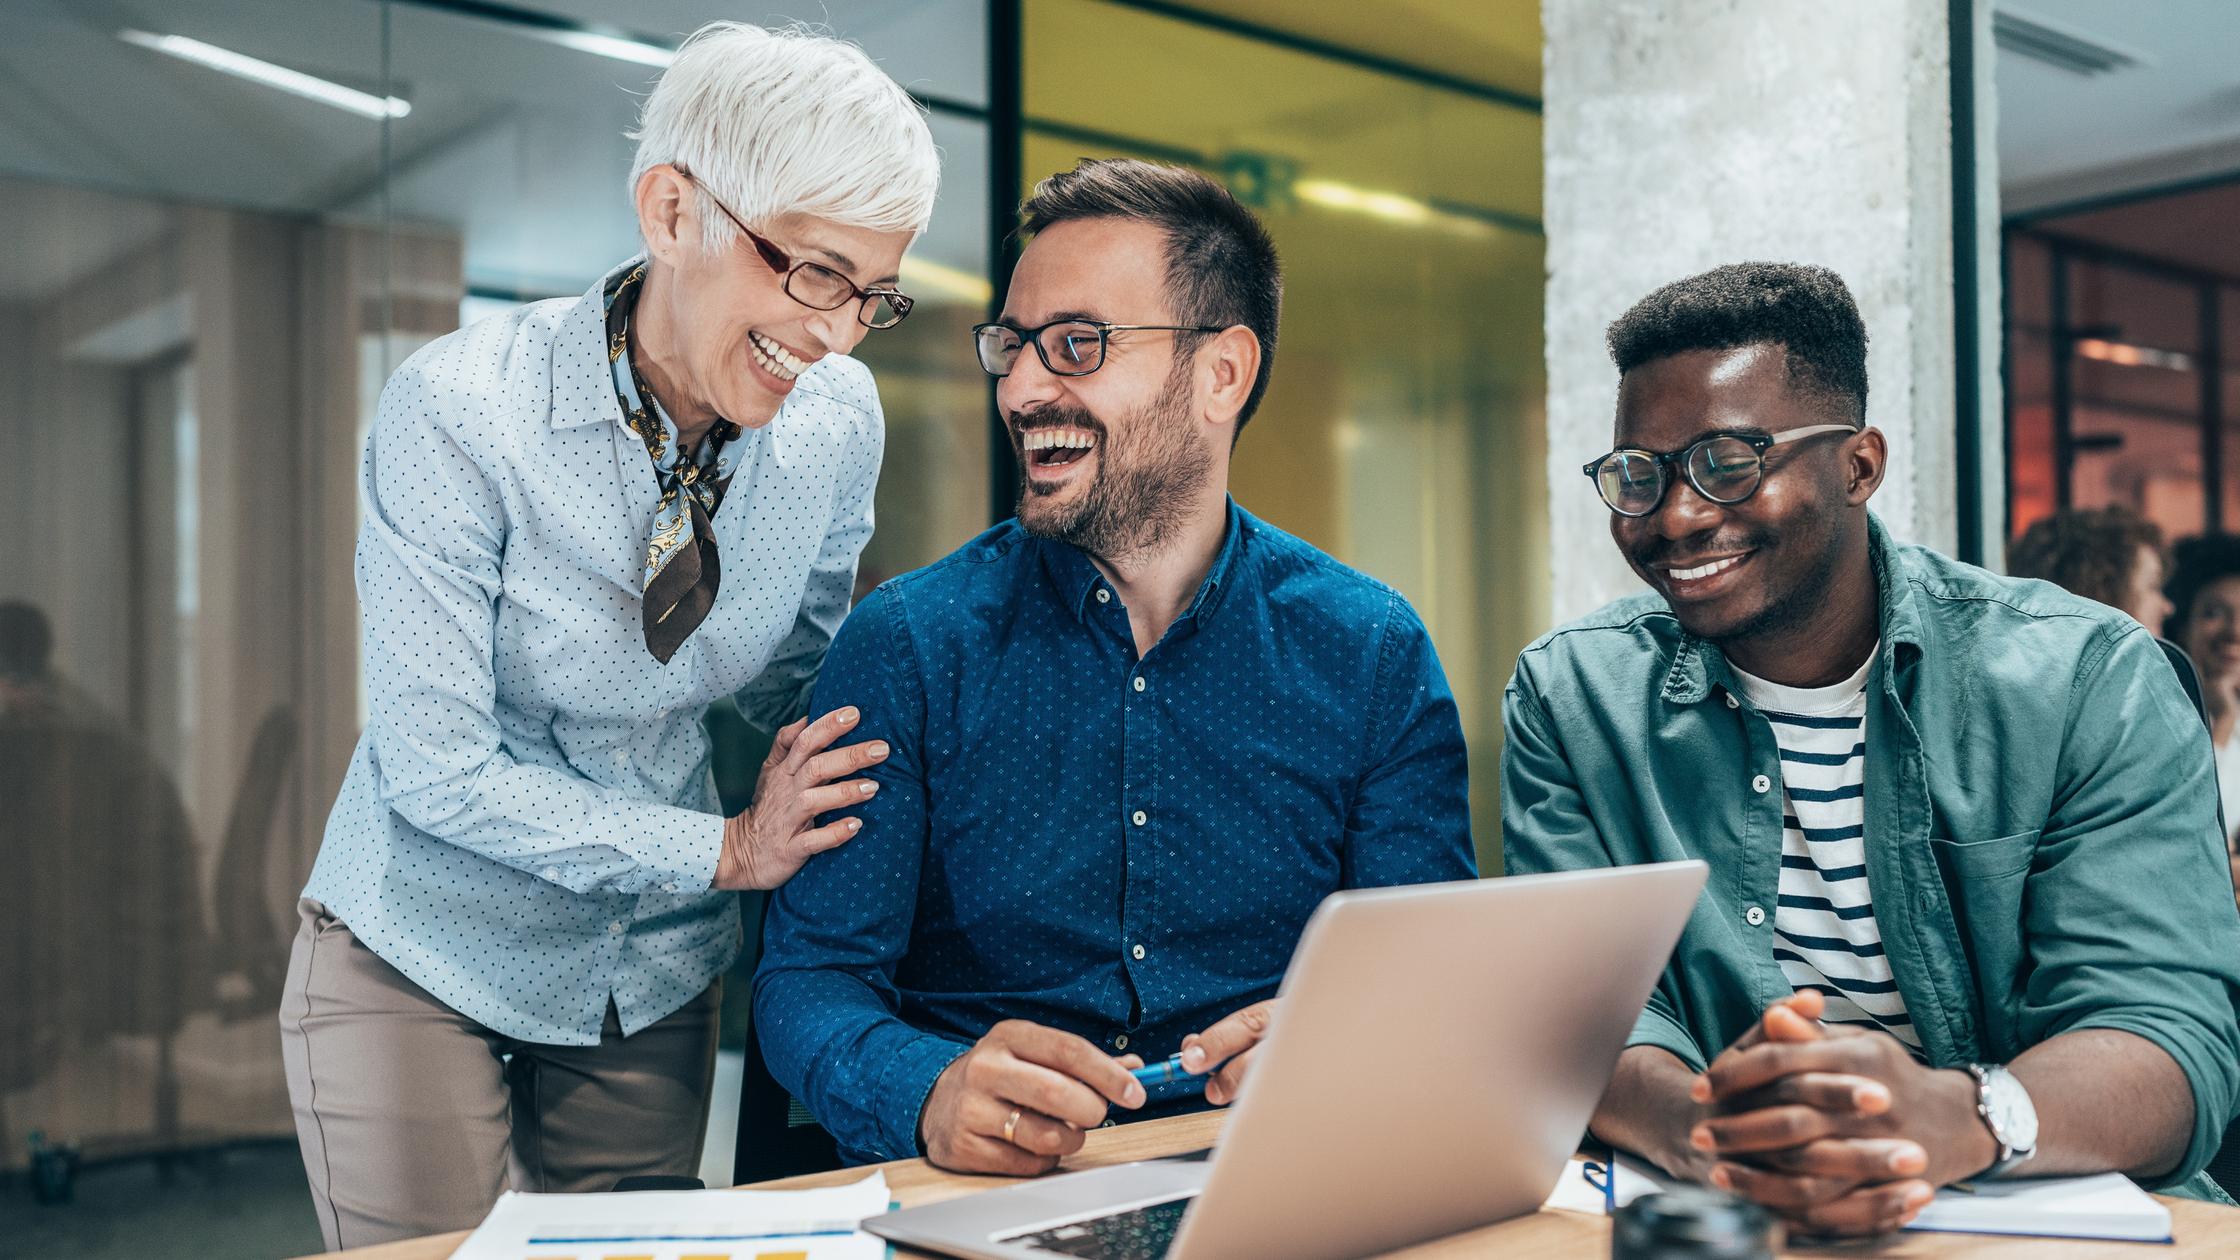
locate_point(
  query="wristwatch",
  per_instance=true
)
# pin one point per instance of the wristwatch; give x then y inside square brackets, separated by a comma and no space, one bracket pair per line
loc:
[2007,1111]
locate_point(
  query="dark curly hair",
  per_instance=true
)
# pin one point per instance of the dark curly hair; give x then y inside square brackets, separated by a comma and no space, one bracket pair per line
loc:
[2195,563]
[2091,552]
[1806,310]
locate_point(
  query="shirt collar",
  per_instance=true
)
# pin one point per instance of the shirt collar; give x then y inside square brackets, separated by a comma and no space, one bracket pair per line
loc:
[1078,579]
[582,385]
[1698,666]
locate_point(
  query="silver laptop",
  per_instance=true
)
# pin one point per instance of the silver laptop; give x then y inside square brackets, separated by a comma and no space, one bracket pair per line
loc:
[1433,1064]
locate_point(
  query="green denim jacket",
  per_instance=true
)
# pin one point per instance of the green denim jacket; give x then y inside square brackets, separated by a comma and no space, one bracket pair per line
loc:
[2041,820]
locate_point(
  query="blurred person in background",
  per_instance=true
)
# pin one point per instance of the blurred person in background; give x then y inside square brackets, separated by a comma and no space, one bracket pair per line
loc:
[2205,621]
[586,521]
[2109,554]
[30,687]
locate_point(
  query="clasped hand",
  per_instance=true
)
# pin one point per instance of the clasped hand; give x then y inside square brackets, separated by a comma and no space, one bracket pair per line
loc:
[1837,1129]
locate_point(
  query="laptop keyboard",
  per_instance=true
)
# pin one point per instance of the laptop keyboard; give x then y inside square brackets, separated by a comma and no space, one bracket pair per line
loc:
[1141,1234]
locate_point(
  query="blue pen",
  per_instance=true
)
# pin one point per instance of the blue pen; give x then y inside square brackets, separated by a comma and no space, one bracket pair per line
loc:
[1167,1071]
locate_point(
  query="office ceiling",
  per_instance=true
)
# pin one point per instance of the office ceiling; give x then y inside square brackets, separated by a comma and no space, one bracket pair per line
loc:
[2177,107]
[517,140]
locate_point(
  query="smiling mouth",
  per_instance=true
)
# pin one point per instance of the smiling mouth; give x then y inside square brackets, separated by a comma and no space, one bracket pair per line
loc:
[774,358]
[1056,448]
[1704,572]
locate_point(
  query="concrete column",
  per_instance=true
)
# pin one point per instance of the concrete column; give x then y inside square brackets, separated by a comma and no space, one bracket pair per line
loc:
[1682,134]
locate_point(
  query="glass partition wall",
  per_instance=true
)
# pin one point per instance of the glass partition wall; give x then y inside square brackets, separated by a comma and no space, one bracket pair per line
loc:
[205,280]
[229,220]
[2123,385]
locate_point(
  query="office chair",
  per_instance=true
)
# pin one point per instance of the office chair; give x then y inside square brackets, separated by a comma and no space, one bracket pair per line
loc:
[250,934]
[2188,677]
[2224,1166]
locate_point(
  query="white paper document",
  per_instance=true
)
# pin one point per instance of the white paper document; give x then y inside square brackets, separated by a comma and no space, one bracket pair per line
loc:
[2106,1207]
[2110,1206]
[684,1225]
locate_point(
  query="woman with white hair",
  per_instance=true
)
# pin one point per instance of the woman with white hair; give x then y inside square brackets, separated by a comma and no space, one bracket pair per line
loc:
[585,521]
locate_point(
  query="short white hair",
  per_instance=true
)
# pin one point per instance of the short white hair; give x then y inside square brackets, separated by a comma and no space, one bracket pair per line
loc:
[789,122]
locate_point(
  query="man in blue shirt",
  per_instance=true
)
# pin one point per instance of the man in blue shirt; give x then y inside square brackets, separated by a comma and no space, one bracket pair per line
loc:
[1134,736]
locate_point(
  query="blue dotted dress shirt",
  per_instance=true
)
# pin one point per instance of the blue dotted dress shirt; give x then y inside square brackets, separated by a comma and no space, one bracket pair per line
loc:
[1125,848]
[528,828]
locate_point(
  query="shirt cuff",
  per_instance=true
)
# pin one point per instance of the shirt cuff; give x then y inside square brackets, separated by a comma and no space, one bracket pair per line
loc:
[2208,1117]
[1655,1028]
[903,1088]
[675,850]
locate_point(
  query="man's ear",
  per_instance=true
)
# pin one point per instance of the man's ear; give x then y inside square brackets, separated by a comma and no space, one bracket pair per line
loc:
[668,214]
[1231,363]
[1866,459]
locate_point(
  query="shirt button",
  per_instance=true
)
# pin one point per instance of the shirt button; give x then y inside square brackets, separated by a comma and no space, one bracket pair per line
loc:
[1139,684]
[1733,703]
[1121,1042]
[1108,1123]
[550,873]
[1104,596]
[668,888]
[1761,784]
[1138,952]
[1754,916]
[617,928]
[1139,818]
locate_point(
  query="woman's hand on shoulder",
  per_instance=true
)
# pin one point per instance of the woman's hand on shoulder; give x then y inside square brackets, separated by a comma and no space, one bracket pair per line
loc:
[802,778]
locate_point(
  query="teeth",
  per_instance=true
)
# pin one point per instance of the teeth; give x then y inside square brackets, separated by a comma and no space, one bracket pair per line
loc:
[1704,571]
[774,358]
[1047,439]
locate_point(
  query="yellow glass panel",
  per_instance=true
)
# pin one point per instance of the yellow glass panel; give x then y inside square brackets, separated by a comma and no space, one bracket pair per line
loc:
[1404,428]
[1494,42]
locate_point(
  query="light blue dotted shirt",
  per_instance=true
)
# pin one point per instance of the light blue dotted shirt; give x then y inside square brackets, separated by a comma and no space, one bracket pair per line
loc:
[529,827]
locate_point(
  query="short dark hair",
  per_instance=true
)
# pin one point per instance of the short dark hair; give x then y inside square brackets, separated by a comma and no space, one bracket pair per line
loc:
[26,640]
[1222,268]
[1806,310]
[2093,552]
[2194,564]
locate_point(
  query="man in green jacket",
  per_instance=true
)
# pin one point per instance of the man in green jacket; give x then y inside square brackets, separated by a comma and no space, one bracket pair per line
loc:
[1968,914]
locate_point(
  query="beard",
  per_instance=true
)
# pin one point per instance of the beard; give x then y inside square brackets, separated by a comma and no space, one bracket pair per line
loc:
[1144,483]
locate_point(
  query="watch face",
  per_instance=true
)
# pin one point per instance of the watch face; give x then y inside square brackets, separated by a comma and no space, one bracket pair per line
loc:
[2013,1117]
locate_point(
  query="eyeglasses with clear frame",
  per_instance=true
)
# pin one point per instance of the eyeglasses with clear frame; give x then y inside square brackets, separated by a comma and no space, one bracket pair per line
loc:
[1067,347]
[815,285]
[1725,468]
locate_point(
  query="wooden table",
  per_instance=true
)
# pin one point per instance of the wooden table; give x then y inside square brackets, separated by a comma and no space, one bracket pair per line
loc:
[2203,1230]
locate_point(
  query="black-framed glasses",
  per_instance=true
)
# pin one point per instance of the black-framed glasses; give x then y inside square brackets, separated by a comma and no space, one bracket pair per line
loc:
[815,285]
[1725,468]
[1068,347]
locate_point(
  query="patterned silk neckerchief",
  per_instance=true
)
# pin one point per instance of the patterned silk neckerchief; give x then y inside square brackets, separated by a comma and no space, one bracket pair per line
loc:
[681,571]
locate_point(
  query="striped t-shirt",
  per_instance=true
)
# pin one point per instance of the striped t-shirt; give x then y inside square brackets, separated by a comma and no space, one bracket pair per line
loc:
[1824,933]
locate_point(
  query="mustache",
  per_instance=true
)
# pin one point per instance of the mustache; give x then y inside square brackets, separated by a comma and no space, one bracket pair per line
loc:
[1679,552]
[1054,417]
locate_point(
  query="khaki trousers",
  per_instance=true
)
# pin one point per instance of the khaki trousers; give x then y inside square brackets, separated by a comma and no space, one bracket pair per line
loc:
[414,1118]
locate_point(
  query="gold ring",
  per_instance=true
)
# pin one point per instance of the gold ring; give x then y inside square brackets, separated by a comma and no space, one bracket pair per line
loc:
[1011,1126]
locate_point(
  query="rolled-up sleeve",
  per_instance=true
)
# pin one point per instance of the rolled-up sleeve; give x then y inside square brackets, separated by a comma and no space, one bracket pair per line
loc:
[429,567]
[826,1007]
[780,693]
[2128,911]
